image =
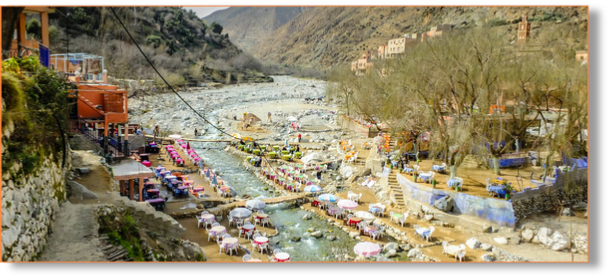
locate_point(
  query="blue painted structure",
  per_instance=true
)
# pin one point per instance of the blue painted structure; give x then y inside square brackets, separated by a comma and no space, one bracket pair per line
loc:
[493,210]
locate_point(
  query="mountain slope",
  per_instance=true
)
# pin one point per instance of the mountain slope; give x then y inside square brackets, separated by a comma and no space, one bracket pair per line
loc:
[178,42]
[327,36]
[247,26]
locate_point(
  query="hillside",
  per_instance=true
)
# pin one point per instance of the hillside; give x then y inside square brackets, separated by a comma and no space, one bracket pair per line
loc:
[326,36]
[247,26]
[184,48]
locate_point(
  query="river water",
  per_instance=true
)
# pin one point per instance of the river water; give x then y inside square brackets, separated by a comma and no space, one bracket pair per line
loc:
[293,236]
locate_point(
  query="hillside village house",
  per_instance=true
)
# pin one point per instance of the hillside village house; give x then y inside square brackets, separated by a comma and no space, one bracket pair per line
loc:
[22,46]
[363,65]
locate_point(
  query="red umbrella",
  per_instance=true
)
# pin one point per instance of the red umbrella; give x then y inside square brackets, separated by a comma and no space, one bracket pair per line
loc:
[188,146]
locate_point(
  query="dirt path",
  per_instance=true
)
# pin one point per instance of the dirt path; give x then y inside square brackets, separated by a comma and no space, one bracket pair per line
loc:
[74,236]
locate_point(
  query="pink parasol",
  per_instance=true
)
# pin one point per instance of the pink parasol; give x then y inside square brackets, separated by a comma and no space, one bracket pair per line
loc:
[367,249]
[347,204]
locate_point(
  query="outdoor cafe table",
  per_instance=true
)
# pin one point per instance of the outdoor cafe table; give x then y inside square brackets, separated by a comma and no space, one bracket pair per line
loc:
[422,231]
[174,156]
[290,186]
[453,182]
[208,218]
[228,242]
[333,210]
[299,177]
[282,257]
[179,160]
[261,240]
[408,170]
[438,168]
[218,230]
[248,227]
[397,216]
[173,152]
[425,176]
[452,249]
[353,220]
[501,191]
[261,215]
[369,229]
[291,173]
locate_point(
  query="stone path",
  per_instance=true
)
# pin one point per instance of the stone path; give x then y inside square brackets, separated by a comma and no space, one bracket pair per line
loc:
[74,235]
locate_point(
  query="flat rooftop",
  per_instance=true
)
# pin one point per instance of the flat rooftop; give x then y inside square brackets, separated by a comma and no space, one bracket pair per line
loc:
[130,169]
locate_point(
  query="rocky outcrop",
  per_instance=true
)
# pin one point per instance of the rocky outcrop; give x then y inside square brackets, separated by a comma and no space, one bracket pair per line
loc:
[29,205]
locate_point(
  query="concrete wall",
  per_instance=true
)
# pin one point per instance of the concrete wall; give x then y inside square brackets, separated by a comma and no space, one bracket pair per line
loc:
[496,211]
[29,204]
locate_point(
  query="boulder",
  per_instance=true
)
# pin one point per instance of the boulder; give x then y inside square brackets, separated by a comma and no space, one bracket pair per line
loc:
[390,246]
[307,216]
[486,228]
[527,235]
[445,204]
[501,240]
[392,253]
[316,234]
[544,236]
[79,191]
[567,212]
[413,253]
[581,206]
[486,247]
[473,243]
[331,238]
[487,258]
[296,238]
[83,170]
[560,241]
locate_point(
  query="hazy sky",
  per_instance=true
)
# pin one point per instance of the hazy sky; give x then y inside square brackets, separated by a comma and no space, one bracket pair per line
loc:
[204,11]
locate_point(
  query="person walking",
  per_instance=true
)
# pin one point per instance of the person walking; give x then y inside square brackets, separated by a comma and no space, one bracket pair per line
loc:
[299,138]
[269,117]
[319,174]
[195,132]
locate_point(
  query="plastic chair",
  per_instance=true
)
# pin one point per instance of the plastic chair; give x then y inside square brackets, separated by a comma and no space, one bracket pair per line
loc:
[200,221]
[265,221]
[460,255]
[276,251]
[246,258]
[248,234]
[220,246]
[225,236]
[231,221]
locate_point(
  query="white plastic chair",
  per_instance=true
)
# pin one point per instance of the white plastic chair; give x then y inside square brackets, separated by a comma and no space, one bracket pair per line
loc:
[231,221]
[246,258]
[403,220]
[460,255]
[445,245]
[249,234]
[265,221]
[200,221]
[264,246]
[276,251]
[233,248]
[219,241]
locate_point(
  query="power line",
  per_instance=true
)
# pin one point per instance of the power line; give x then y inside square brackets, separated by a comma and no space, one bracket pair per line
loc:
[172,89]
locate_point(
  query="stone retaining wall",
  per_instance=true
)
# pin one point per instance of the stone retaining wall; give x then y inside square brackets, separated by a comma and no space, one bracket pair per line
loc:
[492,210]
[29,205]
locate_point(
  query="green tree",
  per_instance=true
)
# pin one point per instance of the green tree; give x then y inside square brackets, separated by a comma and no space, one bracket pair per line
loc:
[216,28]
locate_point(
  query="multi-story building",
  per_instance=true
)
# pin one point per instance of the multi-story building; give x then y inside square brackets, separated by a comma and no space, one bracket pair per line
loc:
[381,51]
[364,64]
[524,30]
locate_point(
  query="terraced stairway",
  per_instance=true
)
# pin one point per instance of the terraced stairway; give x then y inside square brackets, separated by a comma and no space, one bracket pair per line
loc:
[395,190]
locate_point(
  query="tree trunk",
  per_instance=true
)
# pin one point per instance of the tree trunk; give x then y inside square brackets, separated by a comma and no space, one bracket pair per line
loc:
[496,163]
[10,17]
[453,171]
